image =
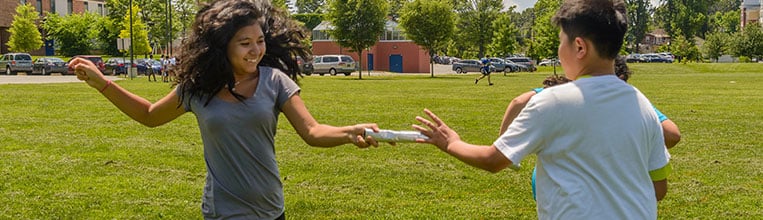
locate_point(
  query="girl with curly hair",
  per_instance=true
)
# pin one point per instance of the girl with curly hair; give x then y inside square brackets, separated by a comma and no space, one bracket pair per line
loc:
[238,74]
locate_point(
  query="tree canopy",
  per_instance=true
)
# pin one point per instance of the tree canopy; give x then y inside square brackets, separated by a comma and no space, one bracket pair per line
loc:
[431,34]
[24,34]
[357,23]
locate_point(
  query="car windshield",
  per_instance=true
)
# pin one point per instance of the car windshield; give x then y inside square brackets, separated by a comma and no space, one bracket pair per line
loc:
[23,57]
[55,59]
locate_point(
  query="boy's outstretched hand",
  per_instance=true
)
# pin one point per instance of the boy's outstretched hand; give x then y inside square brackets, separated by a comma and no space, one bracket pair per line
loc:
[439,133]
[88,72]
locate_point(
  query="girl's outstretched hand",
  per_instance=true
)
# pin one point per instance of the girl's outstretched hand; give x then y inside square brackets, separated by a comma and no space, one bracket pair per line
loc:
[88,72]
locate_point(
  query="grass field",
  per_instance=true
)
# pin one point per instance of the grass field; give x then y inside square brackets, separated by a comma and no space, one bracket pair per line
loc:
[67,153]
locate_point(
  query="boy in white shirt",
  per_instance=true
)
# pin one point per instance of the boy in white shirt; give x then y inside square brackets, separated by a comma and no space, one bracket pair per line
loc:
[599,142]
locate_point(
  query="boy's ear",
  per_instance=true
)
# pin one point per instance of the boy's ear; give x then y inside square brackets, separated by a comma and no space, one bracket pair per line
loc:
[582,47]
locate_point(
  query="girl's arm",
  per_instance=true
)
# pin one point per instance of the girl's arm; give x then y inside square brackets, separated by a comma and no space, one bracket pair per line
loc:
[512,111]
[138,108]
[322,135]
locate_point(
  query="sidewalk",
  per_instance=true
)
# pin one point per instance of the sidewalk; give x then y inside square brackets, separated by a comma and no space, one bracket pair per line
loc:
[38,79]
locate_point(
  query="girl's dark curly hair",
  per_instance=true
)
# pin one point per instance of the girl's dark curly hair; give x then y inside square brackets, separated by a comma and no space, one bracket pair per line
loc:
[205,69]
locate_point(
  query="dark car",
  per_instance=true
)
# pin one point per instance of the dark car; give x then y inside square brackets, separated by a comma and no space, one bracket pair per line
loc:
[513,66]
[116,66]
[97,60]
[141,65]
[305,67]
[465,66]
[155,66]
[527,63]
[48,65]
[16,62]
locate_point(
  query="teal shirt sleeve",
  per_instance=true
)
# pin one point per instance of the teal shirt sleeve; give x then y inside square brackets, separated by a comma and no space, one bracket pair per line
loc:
[538,90]
[661,116]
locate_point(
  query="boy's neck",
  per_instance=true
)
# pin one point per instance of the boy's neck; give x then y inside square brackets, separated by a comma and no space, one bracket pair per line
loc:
[595,67]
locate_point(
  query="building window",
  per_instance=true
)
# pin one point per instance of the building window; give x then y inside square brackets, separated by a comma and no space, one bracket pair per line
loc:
[393,35]
[87,9]
[39,6]
[23,2]
[69,6]
[100,9]
[321,35]
[52,6]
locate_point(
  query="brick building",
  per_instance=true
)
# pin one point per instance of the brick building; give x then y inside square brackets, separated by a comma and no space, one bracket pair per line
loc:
[393,52]
[61,7]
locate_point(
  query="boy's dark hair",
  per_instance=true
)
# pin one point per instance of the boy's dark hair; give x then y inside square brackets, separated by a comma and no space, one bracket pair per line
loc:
[604,22]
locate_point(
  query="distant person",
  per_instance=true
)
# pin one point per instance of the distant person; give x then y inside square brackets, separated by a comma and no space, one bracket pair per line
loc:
[599,145]
[164,63]
[485,70]
[150,69]
[237,87]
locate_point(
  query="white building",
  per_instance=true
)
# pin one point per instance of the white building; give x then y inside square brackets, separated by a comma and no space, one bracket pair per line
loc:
[751,12]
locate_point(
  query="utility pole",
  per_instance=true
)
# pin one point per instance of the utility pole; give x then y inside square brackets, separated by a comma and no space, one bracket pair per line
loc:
[168,50]
[132,56]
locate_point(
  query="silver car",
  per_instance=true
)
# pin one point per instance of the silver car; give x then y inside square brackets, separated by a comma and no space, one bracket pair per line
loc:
[48,65]
[16,62]
[333,64]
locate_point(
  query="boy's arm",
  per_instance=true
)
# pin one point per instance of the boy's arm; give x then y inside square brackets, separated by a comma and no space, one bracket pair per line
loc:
[671,133]
[660,180]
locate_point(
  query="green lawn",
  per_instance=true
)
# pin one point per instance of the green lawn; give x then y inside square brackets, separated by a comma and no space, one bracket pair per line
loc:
[67,153]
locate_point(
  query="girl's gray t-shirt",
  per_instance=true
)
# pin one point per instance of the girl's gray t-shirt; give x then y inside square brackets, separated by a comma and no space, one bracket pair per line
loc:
[243,181]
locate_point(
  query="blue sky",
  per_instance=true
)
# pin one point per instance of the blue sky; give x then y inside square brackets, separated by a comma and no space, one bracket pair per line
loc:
[524,4]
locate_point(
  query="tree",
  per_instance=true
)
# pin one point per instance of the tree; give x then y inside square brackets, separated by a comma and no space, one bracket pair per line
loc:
[749,42]
[24,34]
[310,6]
[726,22]
[688,17]
[139,38]
[684,49]
[715,45]
[429,23]
[504,36]
[74,33]
[475,22]
[523,22]
[638,22]
[394,8]
[545,35]
[357,24]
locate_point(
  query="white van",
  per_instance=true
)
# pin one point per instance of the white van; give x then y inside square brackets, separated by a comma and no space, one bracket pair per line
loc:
[333,64]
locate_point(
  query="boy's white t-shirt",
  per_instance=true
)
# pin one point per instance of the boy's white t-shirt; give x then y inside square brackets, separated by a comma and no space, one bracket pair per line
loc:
[596,139]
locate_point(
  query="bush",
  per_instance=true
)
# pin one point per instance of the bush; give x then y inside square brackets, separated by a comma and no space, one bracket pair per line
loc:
[744,59]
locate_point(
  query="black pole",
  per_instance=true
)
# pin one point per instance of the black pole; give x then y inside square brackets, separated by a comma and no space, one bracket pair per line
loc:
[167,19]
[132,56]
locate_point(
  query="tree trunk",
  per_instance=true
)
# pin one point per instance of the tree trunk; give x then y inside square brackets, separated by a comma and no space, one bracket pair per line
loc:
[360,64]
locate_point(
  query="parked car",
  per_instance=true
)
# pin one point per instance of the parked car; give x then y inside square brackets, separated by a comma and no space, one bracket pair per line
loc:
[48,65]
[116,66]
[668,56]
[97,60]
[142,66]
[500,65]
[305,67]
[154,66]
[654,58]
[333,64]
[465,66]
[13,63]
[513,66]
[634,58]
[524,61]
[549,62]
